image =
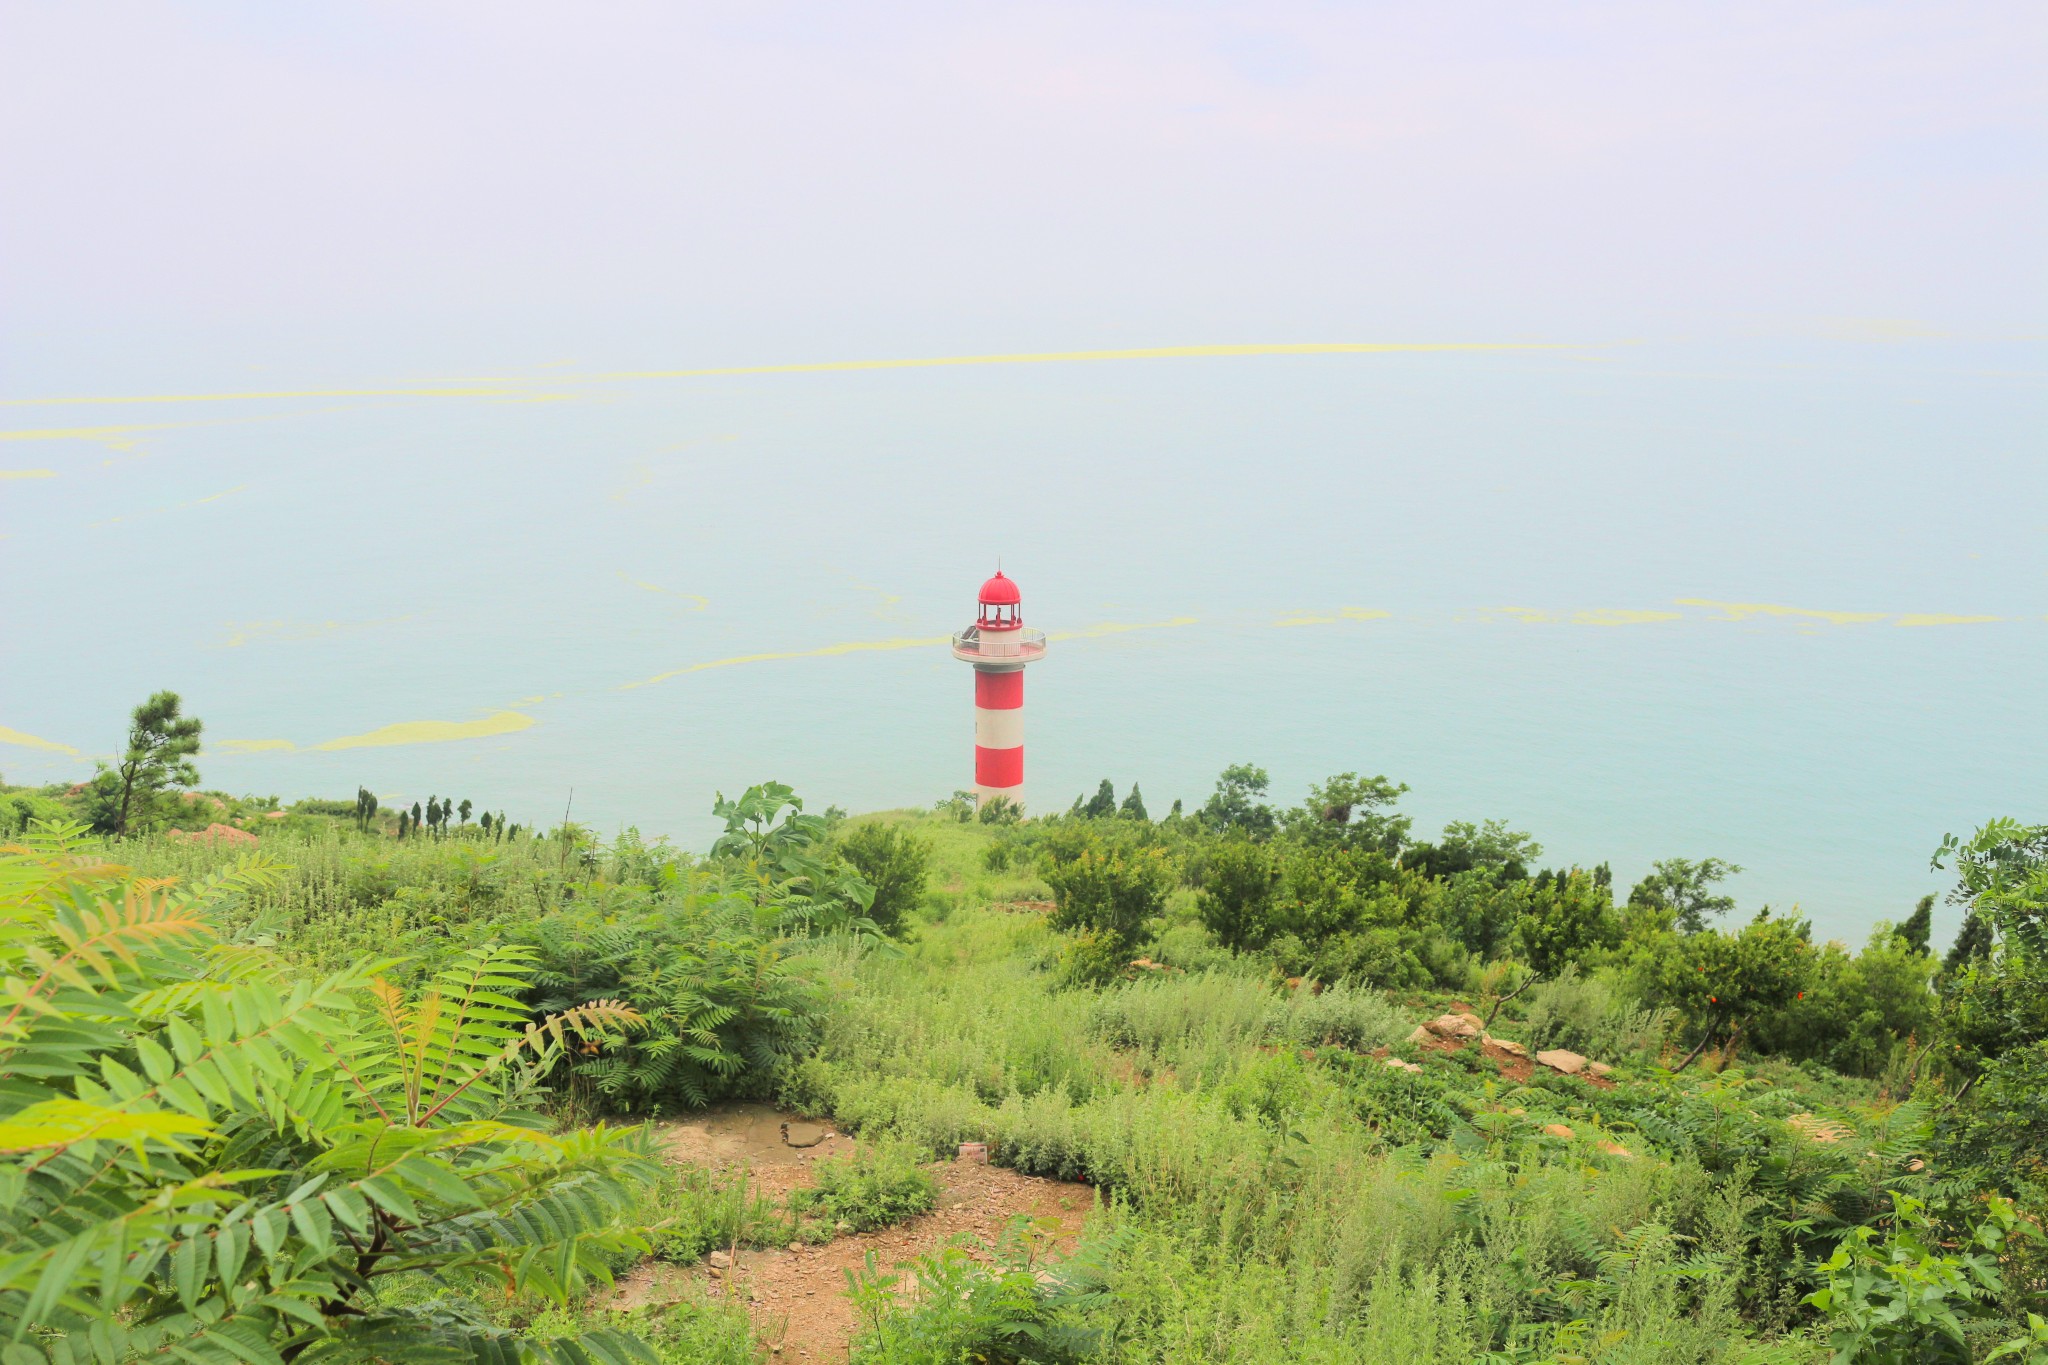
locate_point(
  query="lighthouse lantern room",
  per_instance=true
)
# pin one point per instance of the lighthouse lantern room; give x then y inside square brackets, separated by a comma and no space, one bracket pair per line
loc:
[999,645]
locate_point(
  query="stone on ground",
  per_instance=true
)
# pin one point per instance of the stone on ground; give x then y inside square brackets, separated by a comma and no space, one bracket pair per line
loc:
[1558,1059]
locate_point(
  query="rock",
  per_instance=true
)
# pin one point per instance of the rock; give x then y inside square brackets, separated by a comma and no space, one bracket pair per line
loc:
[719,1260]
[1615,1149]
[1421,1034]
[1507,1045]
[1599,1068]
[1557,1130]
[1557,1059]
[1399,1065]
[1455,1026]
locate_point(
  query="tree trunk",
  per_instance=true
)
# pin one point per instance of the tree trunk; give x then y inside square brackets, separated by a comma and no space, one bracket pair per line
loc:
[1534,977]
[128,772]
[1706,1038]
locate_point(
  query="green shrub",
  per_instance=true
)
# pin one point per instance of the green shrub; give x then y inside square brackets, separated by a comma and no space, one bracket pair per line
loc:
[1903,1299]
[896,864]
[880,1184]
[995,1305]
[1585,1014]
[726,1009]
[1235,902]
[1342,1016]
[1112,890]
[209,1161]
[689,1212]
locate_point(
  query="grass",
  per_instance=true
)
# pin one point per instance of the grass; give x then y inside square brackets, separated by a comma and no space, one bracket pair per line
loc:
[1271,1190]
[1275,1192]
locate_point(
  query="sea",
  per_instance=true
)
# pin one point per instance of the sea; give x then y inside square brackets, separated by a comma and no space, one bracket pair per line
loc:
[1778,601]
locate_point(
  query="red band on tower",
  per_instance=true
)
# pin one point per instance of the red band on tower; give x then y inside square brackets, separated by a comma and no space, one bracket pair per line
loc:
[999,767]
[999,691]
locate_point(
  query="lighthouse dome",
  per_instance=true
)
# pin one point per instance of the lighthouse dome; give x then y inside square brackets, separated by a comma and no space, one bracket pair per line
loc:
[1000,592]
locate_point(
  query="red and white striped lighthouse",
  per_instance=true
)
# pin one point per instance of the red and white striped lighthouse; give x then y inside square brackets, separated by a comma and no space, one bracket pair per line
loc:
[999,646]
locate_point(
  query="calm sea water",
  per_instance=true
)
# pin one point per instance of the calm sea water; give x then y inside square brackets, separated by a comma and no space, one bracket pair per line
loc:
[1642,601]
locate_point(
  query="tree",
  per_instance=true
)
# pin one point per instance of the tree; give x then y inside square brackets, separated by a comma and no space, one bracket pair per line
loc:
[415,815]
[1919,925]
[1563,915]
[1133,807]
[1110,892]
[366,808]
[896,864]
[463,810]
[1973,941]
[1235,804]
[1353,811]
[1723,980]
[1490,845]
[483,823]
[161,743]
[1102,804]
[404,823]
[1235,903]
[1686,889]
[789,860]
[208,1160]
[1001,810]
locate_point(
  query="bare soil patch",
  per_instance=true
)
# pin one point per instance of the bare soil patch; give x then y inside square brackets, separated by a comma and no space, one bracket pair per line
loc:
[798,1296]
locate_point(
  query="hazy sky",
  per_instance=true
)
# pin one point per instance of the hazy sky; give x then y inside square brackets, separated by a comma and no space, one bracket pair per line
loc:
[308,191]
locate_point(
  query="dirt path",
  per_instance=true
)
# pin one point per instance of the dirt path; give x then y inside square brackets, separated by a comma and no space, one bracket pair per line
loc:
[798,1296]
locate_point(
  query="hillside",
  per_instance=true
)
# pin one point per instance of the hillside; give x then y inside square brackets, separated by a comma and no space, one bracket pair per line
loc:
[1255,1088]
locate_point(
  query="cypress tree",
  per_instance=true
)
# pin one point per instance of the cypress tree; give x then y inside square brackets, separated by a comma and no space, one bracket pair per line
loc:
[1103,803]
[1973,941]
[1133,807]
[1919,925]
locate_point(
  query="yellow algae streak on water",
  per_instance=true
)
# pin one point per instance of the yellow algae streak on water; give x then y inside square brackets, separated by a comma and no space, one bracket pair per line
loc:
[1341,615]
[1119,628]
[850,647]
[906,642]
[1936,619]
[23,741]
[257,746]
[1622,616]
[433,731]
[28,473]
[117,437]
[1743,611]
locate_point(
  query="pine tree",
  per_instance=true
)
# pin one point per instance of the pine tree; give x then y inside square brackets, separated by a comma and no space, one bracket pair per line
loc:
[436,813]
[404,823]
[463,810]
[161,744]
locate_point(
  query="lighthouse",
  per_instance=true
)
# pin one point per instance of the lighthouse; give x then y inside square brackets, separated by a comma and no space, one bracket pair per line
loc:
[999,645]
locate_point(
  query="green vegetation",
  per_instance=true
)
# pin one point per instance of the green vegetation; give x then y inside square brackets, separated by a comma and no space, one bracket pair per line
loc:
[878,1185]
[350,1095]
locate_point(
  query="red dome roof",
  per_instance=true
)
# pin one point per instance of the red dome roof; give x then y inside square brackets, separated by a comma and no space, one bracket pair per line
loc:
[999,592]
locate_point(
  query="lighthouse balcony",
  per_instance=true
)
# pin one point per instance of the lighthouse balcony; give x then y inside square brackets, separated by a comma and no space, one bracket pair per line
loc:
[1019,646]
